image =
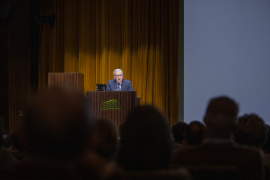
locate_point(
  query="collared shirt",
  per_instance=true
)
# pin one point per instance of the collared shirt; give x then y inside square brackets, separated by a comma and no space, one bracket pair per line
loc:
[120,84]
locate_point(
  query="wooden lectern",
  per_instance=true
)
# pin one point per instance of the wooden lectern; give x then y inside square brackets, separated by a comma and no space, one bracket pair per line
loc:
[112,105]
[71,80]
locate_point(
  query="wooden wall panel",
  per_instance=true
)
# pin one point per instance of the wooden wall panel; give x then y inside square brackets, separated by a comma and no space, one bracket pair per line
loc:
[4,78]
[20,55]
[71,80]
[16,87]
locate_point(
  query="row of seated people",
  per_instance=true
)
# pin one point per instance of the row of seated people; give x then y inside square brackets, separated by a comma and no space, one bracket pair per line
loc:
[60,139]
[250,131]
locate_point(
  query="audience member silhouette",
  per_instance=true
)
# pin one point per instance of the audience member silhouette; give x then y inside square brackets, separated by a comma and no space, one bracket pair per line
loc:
[251,131]
[106,144]
[6,157]
[145,140]
[178,134]
[57,124]
[218,149]
[178,131]
[17,144]
[266,146]
[194,133]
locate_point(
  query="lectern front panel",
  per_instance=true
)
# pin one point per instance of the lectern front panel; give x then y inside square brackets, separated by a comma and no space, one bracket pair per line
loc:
[112,105]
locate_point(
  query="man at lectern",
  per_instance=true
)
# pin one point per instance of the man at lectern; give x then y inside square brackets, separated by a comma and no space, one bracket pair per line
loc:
[118,83]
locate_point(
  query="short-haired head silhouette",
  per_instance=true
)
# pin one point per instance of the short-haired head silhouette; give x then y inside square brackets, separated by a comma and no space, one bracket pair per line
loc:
[221,116]
[145,140]
[57,122]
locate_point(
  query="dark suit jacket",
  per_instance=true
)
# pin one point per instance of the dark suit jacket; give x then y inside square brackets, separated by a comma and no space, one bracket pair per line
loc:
[248,161]
[126,85]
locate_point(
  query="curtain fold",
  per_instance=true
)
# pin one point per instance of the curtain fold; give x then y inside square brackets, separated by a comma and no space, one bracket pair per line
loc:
[94,37]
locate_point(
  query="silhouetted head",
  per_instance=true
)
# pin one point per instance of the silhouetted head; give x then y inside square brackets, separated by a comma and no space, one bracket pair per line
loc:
[221,116]
[194,133]
[178,131]
[250,130]
[266,146]
[145,140]
[56,124]
[106,138]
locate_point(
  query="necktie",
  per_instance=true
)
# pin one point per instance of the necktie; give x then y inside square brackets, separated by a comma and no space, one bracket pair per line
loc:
[118,87]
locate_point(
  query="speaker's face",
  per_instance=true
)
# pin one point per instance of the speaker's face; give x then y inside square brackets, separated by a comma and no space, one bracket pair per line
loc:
[118,76]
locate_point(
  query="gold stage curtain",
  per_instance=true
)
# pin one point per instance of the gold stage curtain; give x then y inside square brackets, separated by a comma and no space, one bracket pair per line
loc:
[94,37]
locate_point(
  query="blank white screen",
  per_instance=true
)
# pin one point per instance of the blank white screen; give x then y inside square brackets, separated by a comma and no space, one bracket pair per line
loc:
[227,52]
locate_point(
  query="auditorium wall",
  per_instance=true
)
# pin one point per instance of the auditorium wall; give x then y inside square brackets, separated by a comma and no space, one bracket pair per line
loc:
[15,54]
[227,51]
